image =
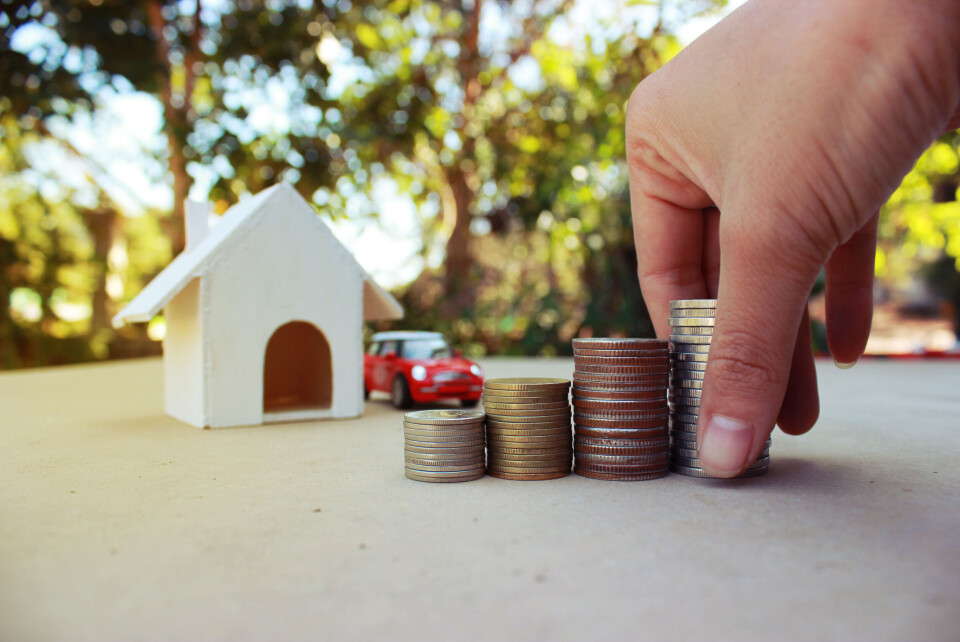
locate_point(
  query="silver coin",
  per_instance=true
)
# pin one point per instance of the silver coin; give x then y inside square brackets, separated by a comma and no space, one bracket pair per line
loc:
[698,472]
[682,304]
[689,348]
[443,417]
[689,374]
[692,330]
[691,339]
[690,322]
[685,392]
[692,384]
[694,462]
[688,357]
[692,312]
[683,367]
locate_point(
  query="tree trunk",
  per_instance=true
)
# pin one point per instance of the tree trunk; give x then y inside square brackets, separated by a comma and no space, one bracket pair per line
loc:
[456,214]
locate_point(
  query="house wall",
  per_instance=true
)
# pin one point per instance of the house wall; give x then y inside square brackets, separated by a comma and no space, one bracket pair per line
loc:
[183,357]
[286,267]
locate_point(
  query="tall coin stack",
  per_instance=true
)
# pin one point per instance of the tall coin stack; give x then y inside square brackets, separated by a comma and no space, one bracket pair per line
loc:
[691,330]
[443,445]
[620,408]
[528,428]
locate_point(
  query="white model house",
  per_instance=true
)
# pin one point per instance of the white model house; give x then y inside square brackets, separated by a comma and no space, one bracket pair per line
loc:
[264,315]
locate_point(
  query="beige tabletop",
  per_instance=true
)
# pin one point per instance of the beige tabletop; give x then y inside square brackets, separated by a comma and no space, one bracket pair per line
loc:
[119,523]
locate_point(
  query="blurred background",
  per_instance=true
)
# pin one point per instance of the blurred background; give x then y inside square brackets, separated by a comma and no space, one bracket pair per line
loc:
[470,154]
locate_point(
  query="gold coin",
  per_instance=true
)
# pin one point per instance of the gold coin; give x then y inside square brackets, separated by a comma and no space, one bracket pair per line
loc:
[528,476]
[530,469]
[493,405]
[526,383]
[532,419]
[493,425]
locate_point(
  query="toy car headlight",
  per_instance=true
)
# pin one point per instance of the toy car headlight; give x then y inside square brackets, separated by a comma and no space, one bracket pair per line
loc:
[418,372]
[475,369]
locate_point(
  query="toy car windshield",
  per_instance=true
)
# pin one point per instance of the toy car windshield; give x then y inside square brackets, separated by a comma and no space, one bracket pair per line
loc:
[426,349]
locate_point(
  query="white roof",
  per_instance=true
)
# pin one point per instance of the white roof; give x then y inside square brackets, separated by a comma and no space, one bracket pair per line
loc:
[400,335]
[377,302]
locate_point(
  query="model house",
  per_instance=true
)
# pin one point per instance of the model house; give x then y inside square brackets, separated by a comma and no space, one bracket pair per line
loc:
[264,313]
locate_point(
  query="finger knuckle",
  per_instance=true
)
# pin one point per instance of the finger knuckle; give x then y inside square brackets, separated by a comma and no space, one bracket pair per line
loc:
[743,361]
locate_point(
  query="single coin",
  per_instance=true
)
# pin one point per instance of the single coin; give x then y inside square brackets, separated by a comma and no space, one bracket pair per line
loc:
[443,468]
[528,470]
[691,339]
[689,358]
[444,416]
[638,434]
[689,348]
[691,384]
[616,369]
[692,454]
[619,344]
[652,420]
[681,304]
[527,383]
[660,458]
[530,465]
[692,312]
[683,367]
[613,469]
[613,405]
[637,362]
[694,462]
[690,375]
[494,425]
[449,460]
[692,331]
[690,322]
[581,394]
[524,397]
[492,405]
[533,450]
[542,441]
[656,353]
[685,418]
[445,479]
[529,476]
[582,441]
[697,472]
[685,406]
[690,396]
[632,477]
[532,419]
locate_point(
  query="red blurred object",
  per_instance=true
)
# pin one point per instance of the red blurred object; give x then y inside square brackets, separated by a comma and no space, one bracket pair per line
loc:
[419,367]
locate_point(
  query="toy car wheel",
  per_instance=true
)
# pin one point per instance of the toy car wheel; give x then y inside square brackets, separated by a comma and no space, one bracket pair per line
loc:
[400,393]
[469,403]
[366,391]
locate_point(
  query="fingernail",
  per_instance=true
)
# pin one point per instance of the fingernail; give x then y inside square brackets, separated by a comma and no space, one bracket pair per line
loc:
[845,365]
[725,445]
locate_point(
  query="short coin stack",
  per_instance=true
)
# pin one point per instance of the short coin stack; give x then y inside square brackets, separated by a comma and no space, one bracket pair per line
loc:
[620,408]
[528,428]
[691,330]
[443,445]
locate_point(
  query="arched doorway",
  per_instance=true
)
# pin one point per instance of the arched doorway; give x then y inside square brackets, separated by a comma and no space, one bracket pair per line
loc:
[297,370]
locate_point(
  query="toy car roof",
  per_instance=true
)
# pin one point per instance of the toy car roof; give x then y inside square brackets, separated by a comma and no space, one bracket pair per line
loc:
[405,335]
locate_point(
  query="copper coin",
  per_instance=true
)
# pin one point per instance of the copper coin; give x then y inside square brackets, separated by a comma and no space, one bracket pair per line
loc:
[621,415]
[637,477]
[581,450]
[524,450]
[531,469]
[528,476]
[654,393]
[623,433]
[659,369]
[544,441]
[618,404]
[611,360]
[529,419]
[634,379]
[494,426]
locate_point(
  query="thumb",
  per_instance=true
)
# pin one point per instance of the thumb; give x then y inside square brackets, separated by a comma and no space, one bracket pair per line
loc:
[766,274]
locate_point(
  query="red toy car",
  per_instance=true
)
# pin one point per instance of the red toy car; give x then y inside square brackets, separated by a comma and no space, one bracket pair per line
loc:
[419,367]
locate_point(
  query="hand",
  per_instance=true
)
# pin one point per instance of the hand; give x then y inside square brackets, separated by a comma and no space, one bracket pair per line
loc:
[797,120]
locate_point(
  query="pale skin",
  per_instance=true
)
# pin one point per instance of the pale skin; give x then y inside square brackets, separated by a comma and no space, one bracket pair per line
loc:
[796,119]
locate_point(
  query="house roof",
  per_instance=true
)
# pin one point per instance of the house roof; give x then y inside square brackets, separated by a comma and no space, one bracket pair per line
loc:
[377,302]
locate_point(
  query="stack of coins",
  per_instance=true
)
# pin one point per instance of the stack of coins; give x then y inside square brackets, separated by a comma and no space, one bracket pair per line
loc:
[443,445]
[691,330]
[620,408]
[528,428]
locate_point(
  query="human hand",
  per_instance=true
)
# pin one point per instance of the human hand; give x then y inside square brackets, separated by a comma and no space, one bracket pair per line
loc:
[797,120]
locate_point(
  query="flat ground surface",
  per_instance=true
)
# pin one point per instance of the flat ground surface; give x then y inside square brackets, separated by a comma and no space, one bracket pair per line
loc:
[117,522]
